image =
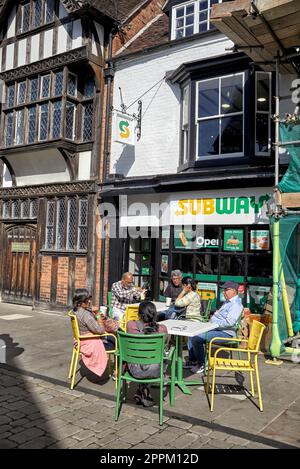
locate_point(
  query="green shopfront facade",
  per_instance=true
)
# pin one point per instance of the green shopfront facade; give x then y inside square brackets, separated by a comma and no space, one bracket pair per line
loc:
[212,236]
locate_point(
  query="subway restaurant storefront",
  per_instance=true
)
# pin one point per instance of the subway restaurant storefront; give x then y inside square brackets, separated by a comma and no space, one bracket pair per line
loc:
[212,236]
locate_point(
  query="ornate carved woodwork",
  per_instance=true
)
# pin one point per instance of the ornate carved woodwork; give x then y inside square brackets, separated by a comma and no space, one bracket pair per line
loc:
[49,189]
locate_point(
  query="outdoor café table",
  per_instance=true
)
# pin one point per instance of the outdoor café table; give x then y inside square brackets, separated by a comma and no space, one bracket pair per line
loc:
[160,305]
[184,328]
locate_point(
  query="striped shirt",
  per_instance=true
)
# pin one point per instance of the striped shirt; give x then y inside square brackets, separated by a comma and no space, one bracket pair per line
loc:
[87,322]
[193,306]
[121,297]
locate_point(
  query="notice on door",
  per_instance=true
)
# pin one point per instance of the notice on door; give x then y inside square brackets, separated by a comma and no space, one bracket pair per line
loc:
[20,247]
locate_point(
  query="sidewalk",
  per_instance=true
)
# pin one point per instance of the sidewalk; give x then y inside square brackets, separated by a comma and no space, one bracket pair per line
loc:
[38,410]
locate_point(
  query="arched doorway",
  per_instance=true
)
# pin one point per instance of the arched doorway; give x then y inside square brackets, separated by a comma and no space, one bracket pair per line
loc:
[19,264]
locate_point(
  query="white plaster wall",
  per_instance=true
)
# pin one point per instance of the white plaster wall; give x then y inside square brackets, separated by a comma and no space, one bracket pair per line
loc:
[48,43]
[35,47]
[157,152]
[10,56]
[62,39]
[100,31]
[84,165]
[22,52]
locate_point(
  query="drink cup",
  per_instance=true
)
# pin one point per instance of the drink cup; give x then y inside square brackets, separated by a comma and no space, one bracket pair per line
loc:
[103,310]
[168,301]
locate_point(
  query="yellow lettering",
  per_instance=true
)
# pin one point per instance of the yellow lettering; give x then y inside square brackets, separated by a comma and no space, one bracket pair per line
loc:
[208,206]
[184,208]
[195,206]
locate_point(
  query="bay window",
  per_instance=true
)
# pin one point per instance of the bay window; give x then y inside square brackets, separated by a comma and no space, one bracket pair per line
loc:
[220,116]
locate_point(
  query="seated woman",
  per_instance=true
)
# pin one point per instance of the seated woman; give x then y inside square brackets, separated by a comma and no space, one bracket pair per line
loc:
[93,351]
[189,299]
[145,325]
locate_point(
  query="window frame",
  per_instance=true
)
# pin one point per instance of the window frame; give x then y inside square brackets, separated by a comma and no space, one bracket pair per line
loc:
[220,116]
[196,24]
[269,112]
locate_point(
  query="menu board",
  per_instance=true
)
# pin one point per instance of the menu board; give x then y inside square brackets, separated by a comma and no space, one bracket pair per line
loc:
[183,238]
[164,264]
[260,240]
[257,298]
[233,240]
[165,238]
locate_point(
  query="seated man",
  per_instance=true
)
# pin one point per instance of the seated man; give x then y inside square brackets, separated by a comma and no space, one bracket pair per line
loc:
[172,291]
[123,294]
[227,316]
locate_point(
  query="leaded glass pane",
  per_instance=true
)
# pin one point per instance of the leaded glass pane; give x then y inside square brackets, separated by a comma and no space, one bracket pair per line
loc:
[6,210]
[83,212]
[70,120]
[33,208]
[31,124]
[82,225]
[16,209]
[56,120]
[49,11]
[10,95]
[37,13]
[45,88]
[19,130]
[44,117]
[21,92]
[9,122]
[25,209]
[71,237]
[82,235]
[50,224]
[89,87]
[58,83]
[25,21]
[72,84]
[60,224]
[87,125]
[34,89]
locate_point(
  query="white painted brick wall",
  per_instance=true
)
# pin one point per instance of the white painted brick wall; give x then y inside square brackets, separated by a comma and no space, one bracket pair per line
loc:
[157,152]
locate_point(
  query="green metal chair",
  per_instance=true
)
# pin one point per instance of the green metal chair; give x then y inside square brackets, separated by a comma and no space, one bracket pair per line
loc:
[109,305]
[206,315]
[144,350]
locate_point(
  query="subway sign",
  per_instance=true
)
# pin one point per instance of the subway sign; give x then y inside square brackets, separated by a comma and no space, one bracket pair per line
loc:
[220,210]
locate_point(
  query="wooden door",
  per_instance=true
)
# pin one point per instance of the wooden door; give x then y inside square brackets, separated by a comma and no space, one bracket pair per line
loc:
[19,264]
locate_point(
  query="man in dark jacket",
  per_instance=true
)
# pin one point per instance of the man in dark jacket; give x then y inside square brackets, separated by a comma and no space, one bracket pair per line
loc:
[172,291]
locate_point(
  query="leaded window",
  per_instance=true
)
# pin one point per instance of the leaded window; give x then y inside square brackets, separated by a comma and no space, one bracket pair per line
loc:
[16,209]
[33,208]
[50,219]
[58,83]
[70,120]
[87,122]
[25,209]
[60,224]
[45,86]
[43,121]
[37,13]
[49,10]
[66,224]
[6,209]
[9,124]
[10,99]
[89,87]
[33,89]
[72,85]
[82,224]
[21,96]
[31,124]
[25,17]
[20,126]
[56,119]
[72,215]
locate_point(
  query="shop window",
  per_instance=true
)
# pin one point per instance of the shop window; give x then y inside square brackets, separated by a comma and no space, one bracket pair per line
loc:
[220,119]
[183,262]
[206,264]
[260,265]
[232,265]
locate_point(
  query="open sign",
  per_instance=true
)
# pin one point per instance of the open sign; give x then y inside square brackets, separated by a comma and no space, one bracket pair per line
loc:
[206,242]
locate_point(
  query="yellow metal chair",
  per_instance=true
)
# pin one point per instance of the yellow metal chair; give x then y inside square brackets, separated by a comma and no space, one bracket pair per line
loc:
[229,364]
[131,314]
[76,349]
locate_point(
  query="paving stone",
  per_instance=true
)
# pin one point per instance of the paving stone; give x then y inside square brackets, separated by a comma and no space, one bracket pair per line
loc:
[179,424]
[27,435]
[4,420]
[5,435]
[15,415]
[83,435]
[236,440]
[4,428]
[219,444]
[215,435]
[38,443]
[16,430]
[183,441]
[149,429]
[66,431]
[199,442]
[107,439]
[201,430]
[119,444]
[85,443]
[134,437]
[7,444]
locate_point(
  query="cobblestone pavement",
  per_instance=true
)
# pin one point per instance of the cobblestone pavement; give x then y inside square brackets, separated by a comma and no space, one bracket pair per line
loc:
[38,410]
